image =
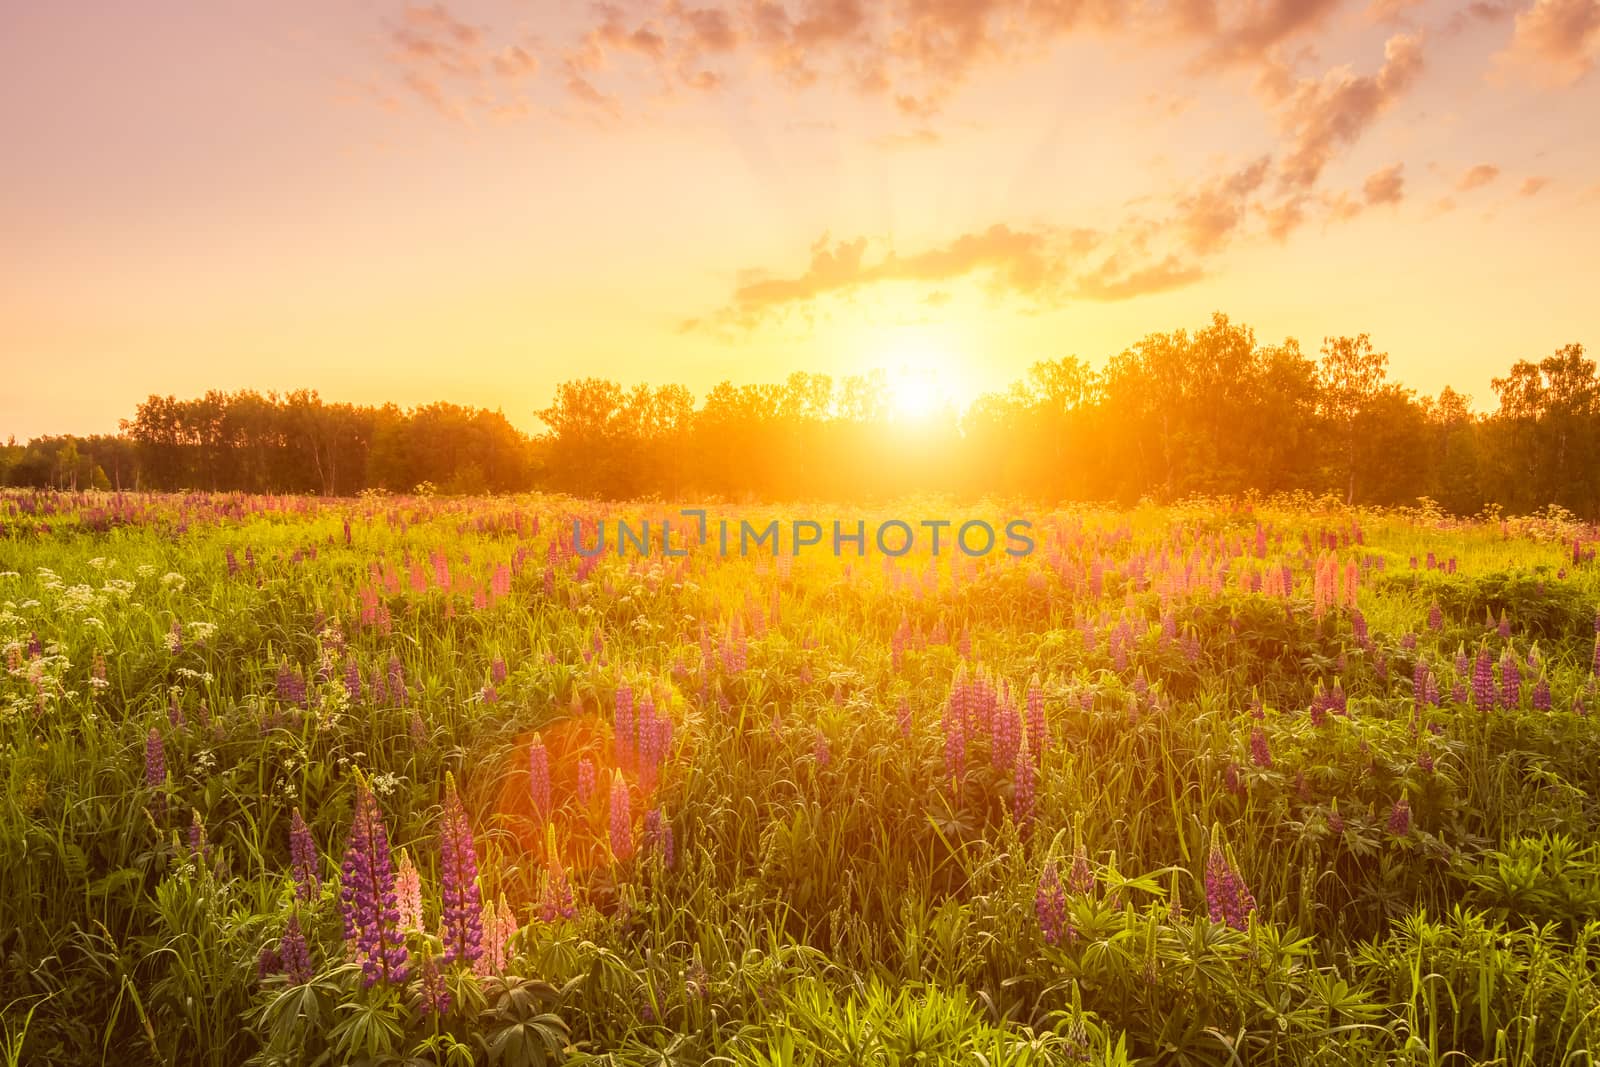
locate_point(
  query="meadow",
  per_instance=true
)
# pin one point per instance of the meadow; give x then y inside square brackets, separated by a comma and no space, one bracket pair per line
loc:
[287,780]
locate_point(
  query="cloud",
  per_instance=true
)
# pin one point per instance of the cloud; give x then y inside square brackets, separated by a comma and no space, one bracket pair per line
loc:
[1533,186]
[1209,217]
[451,66]
[1323,115]
[1264,26]
[1109,283]
[1555,42]
[1477,177]
[1390,12]
[915,54]
[1386,186]
[1041,267]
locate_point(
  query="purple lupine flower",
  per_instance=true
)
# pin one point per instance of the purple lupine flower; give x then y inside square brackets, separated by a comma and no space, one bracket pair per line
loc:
[1419,682]
[658,836]
[461,916]
[397,681]
[291,684]
[368,901]
[1335,822]
[1260,754]
[497,671]
[1050,906]
[1007,735]
[1358,627]
[539,777]
[1504,629]
[155,760]
[621,819]
[1228,899]
[1080,878]
[352,679]
[293,952]
[1231,780]
[1510,679]
[1483,680]
[1541,694]
[1435,617]
[435,994]
[1022,785]
[268,963]
[1400,817]
[303,858]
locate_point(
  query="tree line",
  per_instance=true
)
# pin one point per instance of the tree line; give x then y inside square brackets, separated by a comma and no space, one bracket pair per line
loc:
[1205,412]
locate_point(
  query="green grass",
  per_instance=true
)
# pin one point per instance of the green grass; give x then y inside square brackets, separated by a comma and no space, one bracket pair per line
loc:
[836,896]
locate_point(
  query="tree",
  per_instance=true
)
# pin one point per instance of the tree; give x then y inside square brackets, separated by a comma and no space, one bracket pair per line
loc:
[1351,377]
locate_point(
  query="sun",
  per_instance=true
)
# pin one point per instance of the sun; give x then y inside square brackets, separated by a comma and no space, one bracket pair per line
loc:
[919,366]
[915,398]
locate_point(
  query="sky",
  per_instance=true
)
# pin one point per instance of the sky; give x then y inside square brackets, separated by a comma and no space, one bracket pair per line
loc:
[473,201]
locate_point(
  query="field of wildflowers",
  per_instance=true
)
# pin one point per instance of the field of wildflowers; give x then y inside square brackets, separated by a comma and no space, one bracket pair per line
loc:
[408,780]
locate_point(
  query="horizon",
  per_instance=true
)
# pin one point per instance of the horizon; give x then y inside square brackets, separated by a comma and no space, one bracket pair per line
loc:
[472,202]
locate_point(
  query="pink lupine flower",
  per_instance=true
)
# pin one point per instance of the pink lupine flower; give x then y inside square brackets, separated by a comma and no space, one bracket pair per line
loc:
[658,837]
[1038,729]
[585,781]
[622,725]
[539,777]
[1483,680]
[621,819]
[408,895]
[1510,680]
[1022,785]
[499,928]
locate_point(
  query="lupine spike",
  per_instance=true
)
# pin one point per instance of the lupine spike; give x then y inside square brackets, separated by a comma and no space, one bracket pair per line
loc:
[460,919]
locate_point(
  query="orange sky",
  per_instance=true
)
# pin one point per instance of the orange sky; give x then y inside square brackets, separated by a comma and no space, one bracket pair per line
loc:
[474,201]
